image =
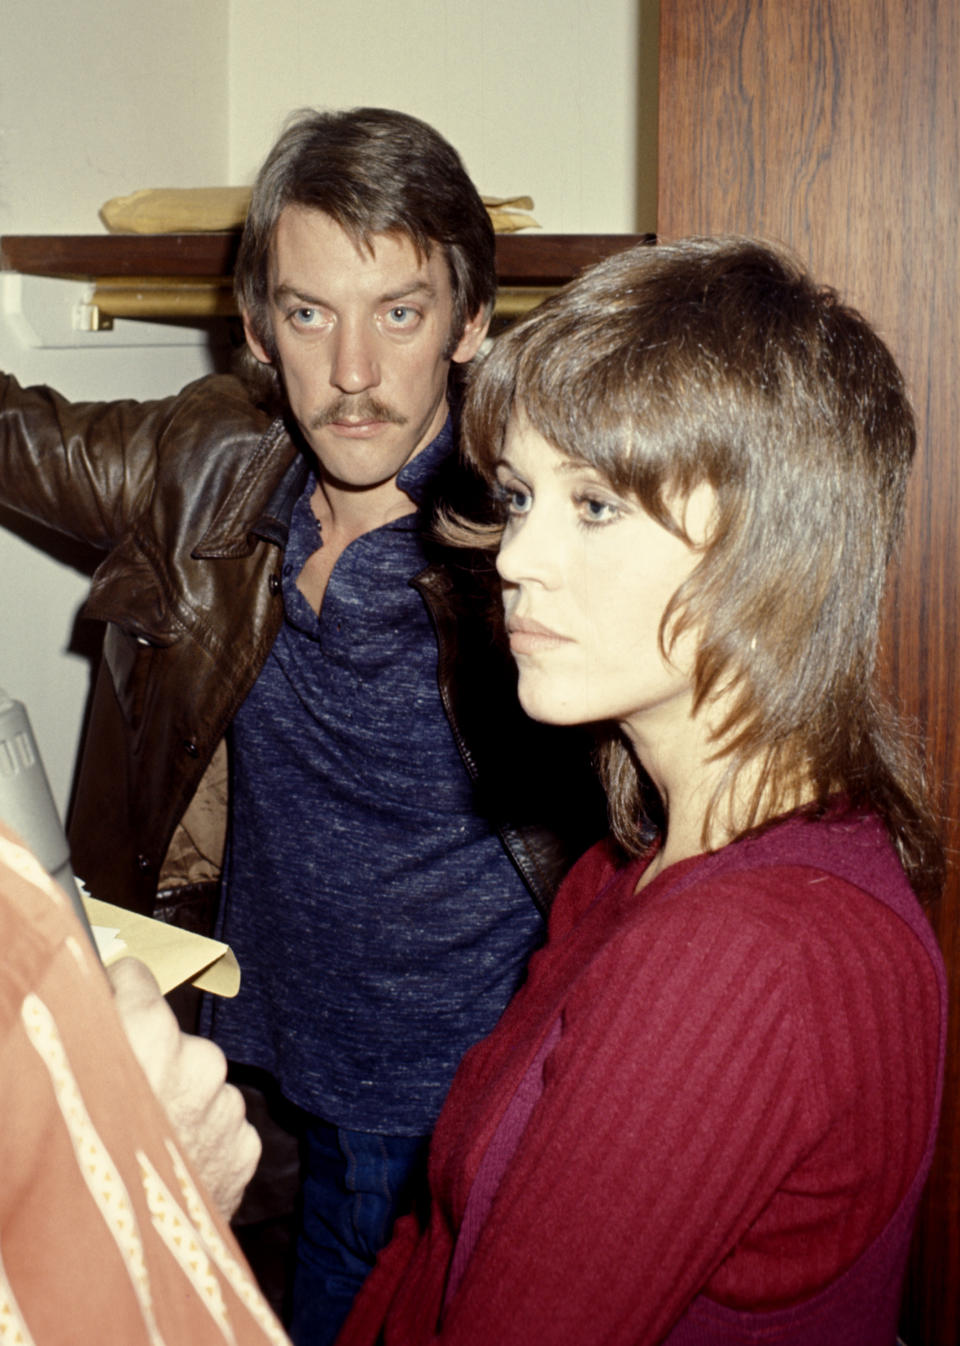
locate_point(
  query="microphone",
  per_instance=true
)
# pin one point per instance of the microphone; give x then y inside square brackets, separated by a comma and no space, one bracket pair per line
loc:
[26,801]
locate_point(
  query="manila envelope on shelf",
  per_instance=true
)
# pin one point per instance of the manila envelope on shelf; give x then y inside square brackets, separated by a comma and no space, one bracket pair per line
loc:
[173,955]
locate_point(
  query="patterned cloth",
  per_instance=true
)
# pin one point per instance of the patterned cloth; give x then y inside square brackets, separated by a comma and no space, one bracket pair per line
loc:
[105,1232]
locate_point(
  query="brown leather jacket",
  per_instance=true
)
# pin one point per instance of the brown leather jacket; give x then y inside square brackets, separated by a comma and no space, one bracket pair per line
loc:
[191,497]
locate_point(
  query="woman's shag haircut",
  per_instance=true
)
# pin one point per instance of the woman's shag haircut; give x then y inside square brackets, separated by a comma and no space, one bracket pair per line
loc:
[720,361]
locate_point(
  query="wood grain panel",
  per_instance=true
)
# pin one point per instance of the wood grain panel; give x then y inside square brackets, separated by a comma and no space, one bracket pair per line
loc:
[834,127]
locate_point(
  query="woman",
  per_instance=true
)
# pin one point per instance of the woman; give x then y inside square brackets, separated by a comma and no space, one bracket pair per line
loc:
[707,1115]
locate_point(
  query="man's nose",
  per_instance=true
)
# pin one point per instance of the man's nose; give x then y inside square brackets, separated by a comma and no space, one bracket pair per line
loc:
[355,367]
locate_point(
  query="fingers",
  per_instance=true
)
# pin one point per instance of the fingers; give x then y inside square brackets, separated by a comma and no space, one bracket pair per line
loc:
[201,1072]
[223,1145]
[148,1021]
[237,1155]
[188,1074]
[132,981]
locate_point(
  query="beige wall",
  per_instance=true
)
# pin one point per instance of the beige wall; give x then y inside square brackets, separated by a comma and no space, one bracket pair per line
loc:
[97,98]
[548,98]
[100,97]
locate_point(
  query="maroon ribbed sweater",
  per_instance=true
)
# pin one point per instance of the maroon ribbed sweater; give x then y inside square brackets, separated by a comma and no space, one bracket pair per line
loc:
[740,1096]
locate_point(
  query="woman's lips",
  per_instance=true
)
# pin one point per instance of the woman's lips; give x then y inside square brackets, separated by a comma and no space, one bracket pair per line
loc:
[528,636]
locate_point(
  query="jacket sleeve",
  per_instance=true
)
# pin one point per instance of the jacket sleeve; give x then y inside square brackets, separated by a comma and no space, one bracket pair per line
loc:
[84,469]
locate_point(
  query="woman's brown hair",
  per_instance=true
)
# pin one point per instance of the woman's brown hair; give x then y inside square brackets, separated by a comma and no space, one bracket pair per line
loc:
[720,361]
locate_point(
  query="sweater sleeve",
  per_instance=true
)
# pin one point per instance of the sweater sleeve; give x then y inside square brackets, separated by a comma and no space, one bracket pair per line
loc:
[677,1098]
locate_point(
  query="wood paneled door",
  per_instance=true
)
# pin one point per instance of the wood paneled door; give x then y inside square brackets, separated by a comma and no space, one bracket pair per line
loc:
[833,126]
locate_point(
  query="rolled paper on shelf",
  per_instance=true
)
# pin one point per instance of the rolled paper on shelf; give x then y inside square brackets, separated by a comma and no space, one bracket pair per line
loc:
[185,210]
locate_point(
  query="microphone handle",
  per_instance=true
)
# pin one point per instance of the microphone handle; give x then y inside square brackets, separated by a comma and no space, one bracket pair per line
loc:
[27,804]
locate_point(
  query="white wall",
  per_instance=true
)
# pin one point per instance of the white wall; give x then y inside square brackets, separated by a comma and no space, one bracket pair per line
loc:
[554,99]
[97,98]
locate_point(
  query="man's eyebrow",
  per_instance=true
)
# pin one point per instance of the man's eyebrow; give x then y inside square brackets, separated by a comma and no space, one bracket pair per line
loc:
[415,288]
[282,294]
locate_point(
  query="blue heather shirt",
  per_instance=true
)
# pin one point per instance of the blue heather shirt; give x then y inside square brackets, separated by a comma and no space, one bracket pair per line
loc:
[379,924]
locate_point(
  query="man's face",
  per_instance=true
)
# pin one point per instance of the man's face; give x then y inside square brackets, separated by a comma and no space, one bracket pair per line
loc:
[360,338]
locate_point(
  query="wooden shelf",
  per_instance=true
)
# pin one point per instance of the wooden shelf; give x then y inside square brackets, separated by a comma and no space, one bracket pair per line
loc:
[92,256]
[190,275]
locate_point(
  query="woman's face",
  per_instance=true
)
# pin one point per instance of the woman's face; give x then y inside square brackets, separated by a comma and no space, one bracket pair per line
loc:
[586,576]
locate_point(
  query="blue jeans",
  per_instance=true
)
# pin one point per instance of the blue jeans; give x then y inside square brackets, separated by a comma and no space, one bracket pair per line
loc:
[355,1185]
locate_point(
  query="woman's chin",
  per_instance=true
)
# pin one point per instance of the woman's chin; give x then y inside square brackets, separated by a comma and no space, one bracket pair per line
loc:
[549,709]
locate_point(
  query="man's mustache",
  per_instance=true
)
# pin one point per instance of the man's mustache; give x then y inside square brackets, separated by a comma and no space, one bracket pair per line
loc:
[362,408]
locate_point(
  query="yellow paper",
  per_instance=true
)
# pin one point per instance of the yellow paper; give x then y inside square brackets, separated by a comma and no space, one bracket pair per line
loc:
[174,956]
[510,221]
[166,210]
[174,210]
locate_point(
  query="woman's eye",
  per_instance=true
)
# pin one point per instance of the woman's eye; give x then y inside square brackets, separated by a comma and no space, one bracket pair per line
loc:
[514,499]
[305,317]
[595,511]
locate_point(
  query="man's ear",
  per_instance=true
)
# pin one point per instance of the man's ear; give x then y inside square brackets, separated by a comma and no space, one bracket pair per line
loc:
[253,341]
[472,338]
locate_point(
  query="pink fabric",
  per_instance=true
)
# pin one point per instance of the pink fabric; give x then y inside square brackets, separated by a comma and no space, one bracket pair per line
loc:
[741,1097]
[105,1233]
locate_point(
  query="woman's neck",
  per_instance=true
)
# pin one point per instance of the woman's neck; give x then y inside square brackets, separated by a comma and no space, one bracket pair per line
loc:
[704,811]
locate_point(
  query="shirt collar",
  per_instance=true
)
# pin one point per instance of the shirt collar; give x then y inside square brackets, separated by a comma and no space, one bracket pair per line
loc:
[415,477]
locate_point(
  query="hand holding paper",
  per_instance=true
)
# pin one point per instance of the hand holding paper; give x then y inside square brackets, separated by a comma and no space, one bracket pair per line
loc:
[188,1075]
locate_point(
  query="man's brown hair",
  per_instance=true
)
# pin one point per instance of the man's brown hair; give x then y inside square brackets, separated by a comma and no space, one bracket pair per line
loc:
[373,171]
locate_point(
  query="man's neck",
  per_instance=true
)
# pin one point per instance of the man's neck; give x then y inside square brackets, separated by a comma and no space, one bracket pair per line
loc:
[344,516]
[343,512]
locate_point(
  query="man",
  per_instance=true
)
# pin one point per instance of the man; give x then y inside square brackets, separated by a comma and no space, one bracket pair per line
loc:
[392,812]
